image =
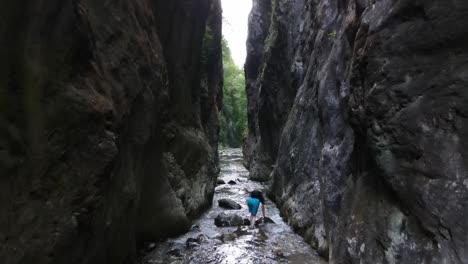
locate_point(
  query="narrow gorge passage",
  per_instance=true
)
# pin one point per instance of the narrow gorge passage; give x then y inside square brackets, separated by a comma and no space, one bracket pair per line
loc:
[205,243]
[112,114]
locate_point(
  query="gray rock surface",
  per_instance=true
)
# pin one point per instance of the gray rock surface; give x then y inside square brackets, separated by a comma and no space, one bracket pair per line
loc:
[264,220]
[257,160]
[220,182]
[358,116]
[227,220]
[231,182]
[229,204]
[108,124]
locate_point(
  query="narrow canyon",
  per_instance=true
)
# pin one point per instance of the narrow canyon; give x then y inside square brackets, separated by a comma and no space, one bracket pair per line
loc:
[357,128]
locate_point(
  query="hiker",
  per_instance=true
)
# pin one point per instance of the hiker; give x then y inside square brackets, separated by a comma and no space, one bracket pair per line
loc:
[256,197]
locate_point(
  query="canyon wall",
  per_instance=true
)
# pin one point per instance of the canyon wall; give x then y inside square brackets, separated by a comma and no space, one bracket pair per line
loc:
[358,116]
[108,123]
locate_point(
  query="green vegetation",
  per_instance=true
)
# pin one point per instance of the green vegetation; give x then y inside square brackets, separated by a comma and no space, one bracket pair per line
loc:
[234,112]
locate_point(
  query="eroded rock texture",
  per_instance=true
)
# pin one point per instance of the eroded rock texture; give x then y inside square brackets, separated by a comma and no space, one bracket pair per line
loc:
[358,113]
[108,124]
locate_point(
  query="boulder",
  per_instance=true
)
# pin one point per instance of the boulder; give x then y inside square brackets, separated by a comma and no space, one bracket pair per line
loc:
[220,182]
[192,242]
[226,220]
[266,220]
[229,204]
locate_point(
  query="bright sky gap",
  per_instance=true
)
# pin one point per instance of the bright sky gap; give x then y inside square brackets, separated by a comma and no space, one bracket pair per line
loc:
[235,22]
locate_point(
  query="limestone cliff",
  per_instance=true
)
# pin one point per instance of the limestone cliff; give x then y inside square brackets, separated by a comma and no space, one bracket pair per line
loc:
[358,115]
[108,124]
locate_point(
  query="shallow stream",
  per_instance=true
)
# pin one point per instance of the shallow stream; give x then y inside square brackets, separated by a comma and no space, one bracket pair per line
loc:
[206,243]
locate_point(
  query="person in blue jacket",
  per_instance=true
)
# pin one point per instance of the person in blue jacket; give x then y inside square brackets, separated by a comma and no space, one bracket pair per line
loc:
[253,202]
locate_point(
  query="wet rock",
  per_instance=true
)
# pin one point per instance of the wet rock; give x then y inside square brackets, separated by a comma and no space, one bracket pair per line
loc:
[241,231]
[226,220]
[278,253]
[231,182]
[227,237]
[191,242]
[176,252]
[229,204]
[218,237]
[265,220]
[145,249]
[220,182]
[177,247]
[151,246]
[246,221]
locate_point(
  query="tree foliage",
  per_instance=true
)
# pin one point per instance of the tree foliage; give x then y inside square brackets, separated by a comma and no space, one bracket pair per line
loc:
[234,112]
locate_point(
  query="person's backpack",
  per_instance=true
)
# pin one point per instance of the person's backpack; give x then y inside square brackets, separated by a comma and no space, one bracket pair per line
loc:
[258,195]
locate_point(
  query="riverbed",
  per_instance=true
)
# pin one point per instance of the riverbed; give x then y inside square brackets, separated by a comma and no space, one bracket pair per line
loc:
[205,243]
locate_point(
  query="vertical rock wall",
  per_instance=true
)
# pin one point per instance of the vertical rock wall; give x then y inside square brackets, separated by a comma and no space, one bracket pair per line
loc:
[358,115]
[108,124]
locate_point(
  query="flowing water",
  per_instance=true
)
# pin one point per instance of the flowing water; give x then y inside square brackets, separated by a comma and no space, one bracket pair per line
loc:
[206,243]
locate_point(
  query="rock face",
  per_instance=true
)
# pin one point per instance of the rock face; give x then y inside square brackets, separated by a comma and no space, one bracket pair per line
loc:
[108,124]
[358,115]
[257,160]
[229,204]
